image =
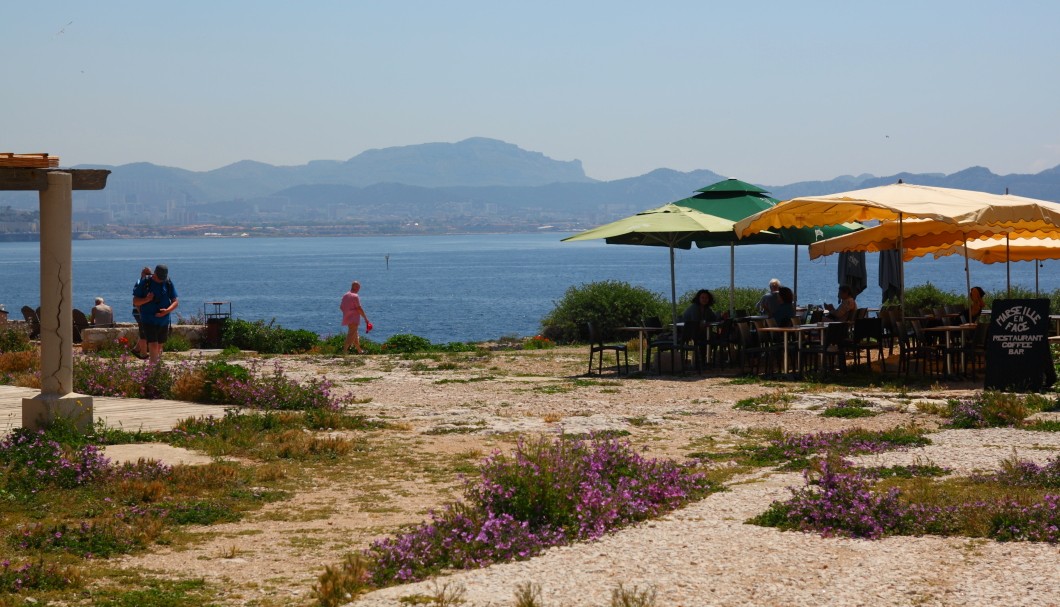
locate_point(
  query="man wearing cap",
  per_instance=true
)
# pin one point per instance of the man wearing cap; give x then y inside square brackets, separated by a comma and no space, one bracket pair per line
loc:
[157,298]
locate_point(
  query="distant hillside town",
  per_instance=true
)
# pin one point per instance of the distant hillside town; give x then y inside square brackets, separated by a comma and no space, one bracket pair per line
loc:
[472,186]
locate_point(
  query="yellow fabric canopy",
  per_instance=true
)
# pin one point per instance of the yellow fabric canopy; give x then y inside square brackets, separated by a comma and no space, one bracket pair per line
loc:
[924,236]
[906,201]
[996,251]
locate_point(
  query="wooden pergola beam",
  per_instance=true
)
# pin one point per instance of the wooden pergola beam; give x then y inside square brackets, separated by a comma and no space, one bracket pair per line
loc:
[37,179]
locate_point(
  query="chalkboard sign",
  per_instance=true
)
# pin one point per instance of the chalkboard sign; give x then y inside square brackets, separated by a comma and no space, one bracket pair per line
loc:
[1017,346]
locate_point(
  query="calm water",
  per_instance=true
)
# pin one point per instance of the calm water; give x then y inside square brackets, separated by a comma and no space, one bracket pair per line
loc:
[445,288]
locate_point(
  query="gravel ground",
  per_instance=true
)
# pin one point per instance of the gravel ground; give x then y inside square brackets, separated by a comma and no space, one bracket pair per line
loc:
[703,554]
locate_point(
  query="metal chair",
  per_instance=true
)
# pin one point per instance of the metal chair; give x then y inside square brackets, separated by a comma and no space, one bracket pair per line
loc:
[597,346]
[868,336]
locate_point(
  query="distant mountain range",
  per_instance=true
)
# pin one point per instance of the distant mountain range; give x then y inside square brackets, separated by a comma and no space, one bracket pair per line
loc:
[477,171]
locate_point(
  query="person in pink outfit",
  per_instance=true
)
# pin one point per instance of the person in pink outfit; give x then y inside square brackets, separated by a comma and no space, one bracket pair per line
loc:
[351,317]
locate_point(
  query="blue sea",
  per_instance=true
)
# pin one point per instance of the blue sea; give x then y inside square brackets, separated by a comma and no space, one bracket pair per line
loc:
[444,288]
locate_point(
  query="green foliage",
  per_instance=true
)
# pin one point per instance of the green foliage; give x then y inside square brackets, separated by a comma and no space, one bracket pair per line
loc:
[991,409]
[176,343]
[219,371]
[266,338]
[14,340]
[404,343]
[608,304]
[744,298]
[929,296]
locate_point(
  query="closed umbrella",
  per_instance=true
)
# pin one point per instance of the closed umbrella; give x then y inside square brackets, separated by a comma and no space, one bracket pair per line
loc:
[888,274]
[852,271]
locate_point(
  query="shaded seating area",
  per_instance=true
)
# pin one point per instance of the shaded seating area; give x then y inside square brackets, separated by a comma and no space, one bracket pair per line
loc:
[597,347]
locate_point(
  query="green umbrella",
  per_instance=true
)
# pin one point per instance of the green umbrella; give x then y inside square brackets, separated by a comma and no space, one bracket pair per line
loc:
[734,200]
[670,226]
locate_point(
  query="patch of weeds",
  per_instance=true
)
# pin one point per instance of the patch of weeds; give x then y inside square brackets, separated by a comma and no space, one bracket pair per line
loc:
[601,434]
[465,381]
[992,409]
[907,471]
[932,408]
[363,380]
[527,594]
[745,380]
[773,402]
[849,408]
[633,597]
[640,421]
[154,591]
[1017,503]
[457,428]
[1042,425]
[553,389]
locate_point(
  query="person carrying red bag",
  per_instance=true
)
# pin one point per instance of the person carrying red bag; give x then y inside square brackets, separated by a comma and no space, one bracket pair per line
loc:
[351,318]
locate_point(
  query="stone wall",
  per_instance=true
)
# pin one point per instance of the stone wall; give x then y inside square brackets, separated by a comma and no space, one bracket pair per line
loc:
[92,338]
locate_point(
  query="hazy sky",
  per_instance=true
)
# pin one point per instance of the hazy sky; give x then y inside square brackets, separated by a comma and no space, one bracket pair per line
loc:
[769,92]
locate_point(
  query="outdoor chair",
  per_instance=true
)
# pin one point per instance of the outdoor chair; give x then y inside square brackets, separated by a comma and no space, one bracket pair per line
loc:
[753,355]
[597,346]
[868,336]
[831,350]
[80,324]
[32,321]
[662,341]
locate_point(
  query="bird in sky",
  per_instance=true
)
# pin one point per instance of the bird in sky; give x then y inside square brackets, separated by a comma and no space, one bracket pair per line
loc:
[62,30]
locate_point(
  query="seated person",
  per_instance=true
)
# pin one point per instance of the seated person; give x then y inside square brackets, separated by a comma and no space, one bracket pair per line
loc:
[769,302]
[847,306]
[696,317]
[976,295]
[785,311]
[101,314]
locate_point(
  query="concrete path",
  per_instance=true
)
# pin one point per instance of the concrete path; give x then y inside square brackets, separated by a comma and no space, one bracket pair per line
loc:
[130,414]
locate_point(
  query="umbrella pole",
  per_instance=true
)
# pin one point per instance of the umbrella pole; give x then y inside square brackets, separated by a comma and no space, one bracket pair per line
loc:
[673,295]
[1036,262]
[1008,268]
[901,272]
[967,275]
[732,279]
[795,287]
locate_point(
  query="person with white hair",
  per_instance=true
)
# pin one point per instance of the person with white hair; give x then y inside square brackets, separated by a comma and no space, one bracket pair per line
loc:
[771,300]
[101,314]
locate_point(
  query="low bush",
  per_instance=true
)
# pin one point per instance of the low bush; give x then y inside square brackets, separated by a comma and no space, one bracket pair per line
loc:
[548,492]
[14,340]
[608,304]
[992,409]
[1013,504]
[266,338]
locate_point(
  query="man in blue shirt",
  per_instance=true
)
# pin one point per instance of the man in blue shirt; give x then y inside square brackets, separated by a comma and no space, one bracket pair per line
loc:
[157,298]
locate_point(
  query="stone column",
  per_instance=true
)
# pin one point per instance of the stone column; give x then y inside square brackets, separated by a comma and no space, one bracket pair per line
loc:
[57,398]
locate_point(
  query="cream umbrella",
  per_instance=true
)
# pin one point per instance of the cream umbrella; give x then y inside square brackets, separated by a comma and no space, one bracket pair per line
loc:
[901,202]
[1004,251]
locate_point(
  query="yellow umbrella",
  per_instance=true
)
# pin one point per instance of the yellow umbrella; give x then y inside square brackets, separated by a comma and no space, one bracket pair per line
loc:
[990,213]
[1004,250]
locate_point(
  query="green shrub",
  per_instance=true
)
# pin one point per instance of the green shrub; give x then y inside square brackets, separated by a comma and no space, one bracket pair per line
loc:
[608,304]
[176,343]
[404,343]
[930,296]
[218,371]
[744,298]
[266,338]
[14,340]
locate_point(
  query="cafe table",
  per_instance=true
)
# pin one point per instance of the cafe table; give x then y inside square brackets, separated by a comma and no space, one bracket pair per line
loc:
[642,332]
[948,331]
[785,332]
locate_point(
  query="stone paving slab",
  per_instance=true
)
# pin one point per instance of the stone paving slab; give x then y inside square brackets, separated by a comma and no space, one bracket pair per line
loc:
[130,414]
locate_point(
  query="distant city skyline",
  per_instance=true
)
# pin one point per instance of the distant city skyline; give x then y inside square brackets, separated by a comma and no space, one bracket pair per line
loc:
[770,92]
